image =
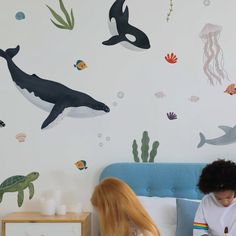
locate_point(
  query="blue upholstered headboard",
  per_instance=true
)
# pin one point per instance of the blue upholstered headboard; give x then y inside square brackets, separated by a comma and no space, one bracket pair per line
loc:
[158,179]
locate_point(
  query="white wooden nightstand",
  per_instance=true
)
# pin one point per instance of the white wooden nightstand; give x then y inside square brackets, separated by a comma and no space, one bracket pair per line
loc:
[35,224]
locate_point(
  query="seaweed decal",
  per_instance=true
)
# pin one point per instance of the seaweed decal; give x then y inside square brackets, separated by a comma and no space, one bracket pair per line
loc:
[145,149]
[64,24]
[170,10]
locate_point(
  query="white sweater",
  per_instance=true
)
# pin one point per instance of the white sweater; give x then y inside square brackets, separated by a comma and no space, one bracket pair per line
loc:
[211,218]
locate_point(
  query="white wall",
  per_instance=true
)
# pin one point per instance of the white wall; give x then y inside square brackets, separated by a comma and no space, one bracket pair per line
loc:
[50,53]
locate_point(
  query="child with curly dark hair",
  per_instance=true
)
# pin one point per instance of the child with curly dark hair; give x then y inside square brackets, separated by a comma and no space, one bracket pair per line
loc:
[216,215]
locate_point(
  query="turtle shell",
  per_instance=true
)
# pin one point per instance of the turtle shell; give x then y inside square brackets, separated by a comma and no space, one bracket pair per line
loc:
[11,181]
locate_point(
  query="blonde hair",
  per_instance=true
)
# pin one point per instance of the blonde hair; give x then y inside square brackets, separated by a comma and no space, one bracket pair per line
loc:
[118,208]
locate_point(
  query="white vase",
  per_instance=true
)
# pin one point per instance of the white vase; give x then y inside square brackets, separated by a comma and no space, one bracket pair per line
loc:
[48,206]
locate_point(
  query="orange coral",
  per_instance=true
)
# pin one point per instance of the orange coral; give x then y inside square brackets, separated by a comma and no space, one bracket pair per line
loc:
[171,58]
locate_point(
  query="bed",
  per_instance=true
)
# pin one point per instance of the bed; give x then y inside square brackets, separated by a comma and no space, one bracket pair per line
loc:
[168,191]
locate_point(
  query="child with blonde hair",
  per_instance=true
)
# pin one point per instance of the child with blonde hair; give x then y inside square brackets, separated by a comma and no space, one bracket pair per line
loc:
[119,210]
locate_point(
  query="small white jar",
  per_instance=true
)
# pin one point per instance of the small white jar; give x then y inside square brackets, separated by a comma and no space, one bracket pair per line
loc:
[61,210]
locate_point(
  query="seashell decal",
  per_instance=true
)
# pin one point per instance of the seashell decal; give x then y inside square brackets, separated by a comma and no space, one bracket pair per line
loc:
[21,137]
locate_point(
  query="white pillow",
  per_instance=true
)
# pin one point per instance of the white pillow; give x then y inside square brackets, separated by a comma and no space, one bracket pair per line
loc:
[163,212]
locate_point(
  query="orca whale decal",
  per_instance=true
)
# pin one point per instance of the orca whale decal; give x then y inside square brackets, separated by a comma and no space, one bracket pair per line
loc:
[124,28]
[51,96]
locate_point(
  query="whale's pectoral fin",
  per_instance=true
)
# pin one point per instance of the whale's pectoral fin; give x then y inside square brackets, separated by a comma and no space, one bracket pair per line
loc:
[55,114]
[113,40]
[226,129]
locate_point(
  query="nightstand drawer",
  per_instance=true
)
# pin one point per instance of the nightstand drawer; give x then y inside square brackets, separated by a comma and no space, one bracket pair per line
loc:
[43,229]
[35,224]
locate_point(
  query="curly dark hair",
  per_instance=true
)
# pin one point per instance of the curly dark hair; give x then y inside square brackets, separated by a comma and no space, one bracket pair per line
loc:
[218,176]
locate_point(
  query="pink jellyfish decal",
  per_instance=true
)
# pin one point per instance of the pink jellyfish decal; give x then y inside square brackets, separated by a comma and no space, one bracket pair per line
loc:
[213,55]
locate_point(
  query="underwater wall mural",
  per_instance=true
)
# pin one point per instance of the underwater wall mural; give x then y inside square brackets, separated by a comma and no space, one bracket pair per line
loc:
[125,31]
[62,102]
[145,155]
[213,55]
[68,22]
[228,138]
[19,183]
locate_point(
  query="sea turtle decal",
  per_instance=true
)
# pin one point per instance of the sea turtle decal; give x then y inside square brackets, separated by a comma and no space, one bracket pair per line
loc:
[18,183]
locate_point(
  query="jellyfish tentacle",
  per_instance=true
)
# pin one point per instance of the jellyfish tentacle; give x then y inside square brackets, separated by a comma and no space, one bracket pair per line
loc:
[209,55]
[213,53]
[220,59]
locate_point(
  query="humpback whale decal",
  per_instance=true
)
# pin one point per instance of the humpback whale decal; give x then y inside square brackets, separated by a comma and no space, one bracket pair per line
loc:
[51,96]
[124,28]
[228,138]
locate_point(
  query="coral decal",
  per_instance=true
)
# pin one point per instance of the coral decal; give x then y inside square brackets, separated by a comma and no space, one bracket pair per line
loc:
[63,24]
[230,89]
[123,28]
[160,94]
[145,149]
[213,55]
[2,124]
[171,58]
[171,116]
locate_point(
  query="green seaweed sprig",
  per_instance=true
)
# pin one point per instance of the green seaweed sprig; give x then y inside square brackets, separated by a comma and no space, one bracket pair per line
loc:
[68,23]
[170,10]
[145,156]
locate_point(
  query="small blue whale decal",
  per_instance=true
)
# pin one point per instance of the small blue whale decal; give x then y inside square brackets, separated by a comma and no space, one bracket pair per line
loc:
[228,138]
[51,96]
[124,28]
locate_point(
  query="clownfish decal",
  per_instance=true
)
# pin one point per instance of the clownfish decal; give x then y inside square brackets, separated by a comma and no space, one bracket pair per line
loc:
[81,165]
[230,89]
[80,65]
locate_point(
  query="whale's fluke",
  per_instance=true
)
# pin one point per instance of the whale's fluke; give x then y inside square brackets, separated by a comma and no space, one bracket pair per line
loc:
[202,140]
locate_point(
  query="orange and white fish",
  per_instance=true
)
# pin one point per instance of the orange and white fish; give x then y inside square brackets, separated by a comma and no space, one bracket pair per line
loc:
[81,164]
[230,89]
